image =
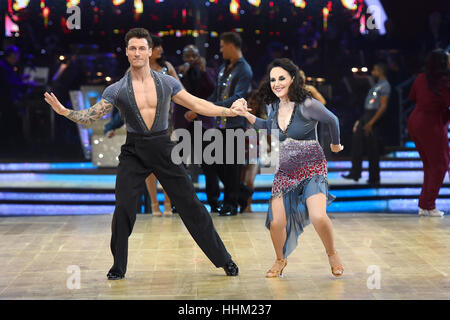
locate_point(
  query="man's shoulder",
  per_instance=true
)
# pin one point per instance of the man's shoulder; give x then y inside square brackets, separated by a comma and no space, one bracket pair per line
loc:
[246,66]
[111,91]
[386,84]
[118,82]
[165,78]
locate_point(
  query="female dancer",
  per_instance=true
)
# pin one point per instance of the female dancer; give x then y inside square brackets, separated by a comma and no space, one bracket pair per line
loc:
[428,127]
[300,188]
[159,64]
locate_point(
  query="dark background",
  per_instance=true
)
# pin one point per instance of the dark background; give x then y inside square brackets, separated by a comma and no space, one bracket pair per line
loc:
[284,30]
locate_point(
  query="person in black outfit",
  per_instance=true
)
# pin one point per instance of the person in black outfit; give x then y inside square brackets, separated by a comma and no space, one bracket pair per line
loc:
[366,131]
[233,82]
[143,97]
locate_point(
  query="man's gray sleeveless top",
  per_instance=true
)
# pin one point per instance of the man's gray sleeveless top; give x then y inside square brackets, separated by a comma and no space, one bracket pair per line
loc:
[121,95]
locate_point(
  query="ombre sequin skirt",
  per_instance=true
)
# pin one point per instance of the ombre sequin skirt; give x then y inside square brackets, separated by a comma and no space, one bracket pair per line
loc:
[301,172]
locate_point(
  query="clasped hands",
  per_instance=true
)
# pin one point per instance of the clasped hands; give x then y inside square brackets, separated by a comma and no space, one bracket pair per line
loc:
[239,107]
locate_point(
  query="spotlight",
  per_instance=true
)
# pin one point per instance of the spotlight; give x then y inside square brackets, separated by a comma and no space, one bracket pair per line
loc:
[364,69]
[62,58]
[354,70]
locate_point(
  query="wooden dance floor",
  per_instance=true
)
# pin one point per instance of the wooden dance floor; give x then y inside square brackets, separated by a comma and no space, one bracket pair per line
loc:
[409,255]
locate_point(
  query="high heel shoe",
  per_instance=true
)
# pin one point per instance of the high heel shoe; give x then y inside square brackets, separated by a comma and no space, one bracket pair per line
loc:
[155,210]
[338,270]
[277,269]
[167,211]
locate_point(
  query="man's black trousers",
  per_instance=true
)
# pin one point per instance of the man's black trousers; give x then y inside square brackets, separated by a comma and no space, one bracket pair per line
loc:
[140,156]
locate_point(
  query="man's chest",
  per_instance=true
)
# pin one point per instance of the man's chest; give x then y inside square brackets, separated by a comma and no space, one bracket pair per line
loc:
[145,94]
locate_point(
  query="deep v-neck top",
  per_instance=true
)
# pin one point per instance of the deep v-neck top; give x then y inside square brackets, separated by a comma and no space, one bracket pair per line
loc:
[121,95]
[303,122]
[291,117]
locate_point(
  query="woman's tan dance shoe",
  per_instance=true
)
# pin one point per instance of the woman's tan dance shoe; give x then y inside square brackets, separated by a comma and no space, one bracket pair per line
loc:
[277,269]
[155,210]
[337,271]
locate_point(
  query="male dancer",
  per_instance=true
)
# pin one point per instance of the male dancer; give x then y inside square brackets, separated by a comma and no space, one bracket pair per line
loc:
[143,98]
[233,82]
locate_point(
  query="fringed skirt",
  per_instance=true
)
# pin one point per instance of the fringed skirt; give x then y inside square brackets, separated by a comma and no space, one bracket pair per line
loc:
[301,173]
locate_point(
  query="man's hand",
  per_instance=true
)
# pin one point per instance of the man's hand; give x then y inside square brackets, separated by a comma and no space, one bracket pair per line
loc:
[190,115]
[240,107]
[355,126]
[51,99]
[336,147]
[183,68]
[110,133]
[202,64]
[368,128]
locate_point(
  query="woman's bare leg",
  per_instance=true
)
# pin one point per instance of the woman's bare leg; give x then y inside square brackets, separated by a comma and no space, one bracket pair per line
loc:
[278,226]
[167,204]
[150,182]
[249,181]
[322,224]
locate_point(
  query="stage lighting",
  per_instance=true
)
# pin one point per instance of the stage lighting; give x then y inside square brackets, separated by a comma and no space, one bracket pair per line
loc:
[138,6]
[234,6]
[363,69]
[354,70]
[255,3]
[62,58]
[108,79]
[299,3]
[349,4]
[20,4]
[71,3]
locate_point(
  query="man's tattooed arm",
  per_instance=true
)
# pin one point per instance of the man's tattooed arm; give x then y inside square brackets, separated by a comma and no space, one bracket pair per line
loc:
[86,117]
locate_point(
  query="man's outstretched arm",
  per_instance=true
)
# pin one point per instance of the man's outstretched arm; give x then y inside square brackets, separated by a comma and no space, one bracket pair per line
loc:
[201,106]
[85,117]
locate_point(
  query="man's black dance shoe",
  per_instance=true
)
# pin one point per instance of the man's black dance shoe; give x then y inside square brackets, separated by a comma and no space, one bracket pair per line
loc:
[349,177]
[231,269]
[227,210]
[114,276]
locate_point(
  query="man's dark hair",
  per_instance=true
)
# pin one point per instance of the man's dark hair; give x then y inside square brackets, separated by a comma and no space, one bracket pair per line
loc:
[139,33]
[232,37]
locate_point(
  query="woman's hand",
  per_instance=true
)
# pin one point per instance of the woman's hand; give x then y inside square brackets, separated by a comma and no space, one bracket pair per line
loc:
[240,107]
[336,147]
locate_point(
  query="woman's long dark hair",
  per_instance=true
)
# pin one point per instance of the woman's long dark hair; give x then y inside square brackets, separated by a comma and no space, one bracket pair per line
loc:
[297,92]
[157,42]
[437,71]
